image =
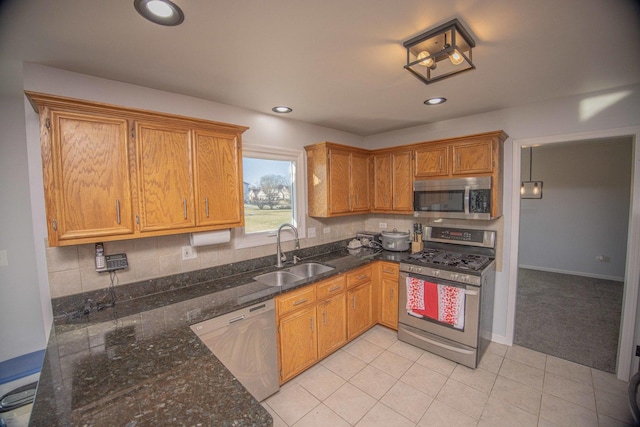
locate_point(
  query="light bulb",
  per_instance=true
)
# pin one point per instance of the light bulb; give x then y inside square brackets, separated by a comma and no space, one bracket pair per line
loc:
[536,189]
[522,190]
[427,62]
[160,8]
[456,57]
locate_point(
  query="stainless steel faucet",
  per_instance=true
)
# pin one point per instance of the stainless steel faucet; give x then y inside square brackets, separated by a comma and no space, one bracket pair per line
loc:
[282,257]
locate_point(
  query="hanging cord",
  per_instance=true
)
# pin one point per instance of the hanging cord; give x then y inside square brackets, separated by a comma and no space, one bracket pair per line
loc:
[91,305]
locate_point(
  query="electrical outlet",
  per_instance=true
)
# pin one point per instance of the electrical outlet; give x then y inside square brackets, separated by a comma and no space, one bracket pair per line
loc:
[189,252]
[326,230]
[383,225]
[311,232]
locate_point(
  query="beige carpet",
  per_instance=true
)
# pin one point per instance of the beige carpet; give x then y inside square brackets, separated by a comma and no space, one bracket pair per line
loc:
[572,317]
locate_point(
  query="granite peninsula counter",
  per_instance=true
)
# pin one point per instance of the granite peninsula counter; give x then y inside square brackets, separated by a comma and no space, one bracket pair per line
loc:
[138,363]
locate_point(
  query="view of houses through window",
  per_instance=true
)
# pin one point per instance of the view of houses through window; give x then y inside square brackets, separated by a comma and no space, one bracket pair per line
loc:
[268,194]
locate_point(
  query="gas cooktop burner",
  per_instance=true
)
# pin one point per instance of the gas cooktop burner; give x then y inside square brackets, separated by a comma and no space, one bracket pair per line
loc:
[462,261]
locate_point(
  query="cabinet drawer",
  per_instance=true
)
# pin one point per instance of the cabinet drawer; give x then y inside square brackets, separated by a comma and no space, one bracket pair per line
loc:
[390,270]
[359,276]
[296,299]
[331,287]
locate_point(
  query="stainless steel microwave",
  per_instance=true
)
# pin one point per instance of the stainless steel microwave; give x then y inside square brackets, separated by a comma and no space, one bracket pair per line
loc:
[460,198]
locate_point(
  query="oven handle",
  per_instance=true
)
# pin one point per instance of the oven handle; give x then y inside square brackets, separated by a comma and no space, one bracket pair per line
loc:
[472,293]
[439,344]
[467,190]
[404,275]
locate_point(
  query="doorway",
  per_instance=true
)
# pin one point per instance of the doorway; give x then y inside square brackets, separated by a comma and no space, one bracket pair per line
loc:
[631,271]
[572,249]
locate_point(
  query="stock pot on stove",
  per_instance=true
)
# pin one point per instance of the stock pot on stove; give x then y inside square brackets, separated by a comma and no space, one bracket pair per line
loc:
[395,240]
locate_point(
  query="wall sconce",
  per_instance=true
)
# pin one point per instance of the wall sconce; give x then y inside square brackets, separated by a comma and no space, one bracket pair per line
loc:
[440,53]
[531,189]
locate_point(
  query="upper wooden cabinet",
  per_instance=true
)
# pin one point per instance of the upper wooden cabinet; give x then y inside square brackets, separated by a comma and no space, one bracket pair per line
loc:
[165,177]
[86,176]
[473,155]
[392,182]
[337,180]
[113,173]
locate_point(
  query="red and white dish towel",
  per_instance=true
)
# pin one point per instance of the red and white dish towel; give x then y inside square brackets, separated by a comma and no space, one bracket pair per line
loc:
[443,303]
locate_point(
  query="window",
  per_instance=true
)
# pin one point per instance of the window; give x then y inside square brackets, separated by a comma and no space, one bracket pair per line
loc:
[273,194]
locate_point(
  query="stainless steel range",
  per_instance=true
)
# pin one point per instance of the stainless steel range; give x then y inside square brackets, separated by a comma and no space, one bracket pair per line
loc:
[446,294]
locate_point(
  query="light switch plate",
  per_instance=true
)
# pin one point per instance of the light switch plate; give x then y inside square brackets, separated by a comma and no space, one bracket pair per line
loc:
[311,232]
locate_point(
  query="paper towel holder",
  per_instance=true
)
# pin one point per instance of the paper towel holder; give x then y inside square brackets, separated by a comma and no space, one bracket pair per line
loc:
[207,238]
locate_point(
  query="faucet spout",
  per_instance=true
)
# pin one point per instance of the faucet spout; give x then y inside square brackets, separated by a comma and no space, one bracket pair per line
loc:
[282,257]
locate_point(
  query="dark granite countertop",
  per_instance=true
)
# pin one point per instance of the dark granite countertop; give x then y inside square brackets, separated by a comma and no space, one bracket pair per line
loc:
[138,363]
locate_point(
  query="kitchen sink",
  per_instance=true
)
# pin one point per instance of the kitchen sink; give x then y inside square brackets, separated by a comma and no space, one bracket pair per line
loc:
[292,274]
[309,269]
[278,278]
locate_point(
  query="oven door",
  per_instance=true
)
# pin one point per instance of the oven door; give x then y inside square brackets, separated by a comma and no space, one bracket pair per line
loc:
[447,327]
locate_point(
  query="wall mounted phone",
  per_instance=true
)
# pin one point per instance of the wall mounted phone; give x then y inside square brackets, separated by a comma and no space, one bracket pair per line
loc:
[109,262]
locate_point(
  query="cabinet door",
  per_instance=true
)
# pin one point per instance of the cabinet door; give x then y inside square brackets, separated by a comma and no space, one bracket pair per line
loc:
[389,302]
[219,199]
[402,181]
[359,310]
[165,177]
[298,342]
[339,177]
[89,167]
[359,182]
[332,324]
[382,182]
[472,157]
[431,161]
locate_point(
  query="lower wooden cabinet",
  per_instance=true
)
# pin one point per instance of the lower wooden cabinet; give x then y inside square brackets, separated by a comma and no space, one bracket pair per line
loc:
[332,325]
[310,327]
[389,274]
[298,344]
[359,310]
[316,320]
[359,301]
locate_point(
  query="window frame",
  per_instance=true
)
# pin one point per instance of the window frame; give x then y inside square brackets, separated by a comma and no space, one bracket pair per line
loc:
[299,203]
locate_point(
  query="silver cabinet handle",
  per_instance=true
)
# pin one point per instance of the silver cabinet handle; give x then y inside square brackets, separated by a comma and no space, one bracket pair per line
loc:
[385,200]
[391,293]
[440,161]
[118,211]
[334,288]
[357,200]
[311,323]
[362,276]
[354,302]
[302,301]
[388,272]
[206,206]
[184,208]
[324,317]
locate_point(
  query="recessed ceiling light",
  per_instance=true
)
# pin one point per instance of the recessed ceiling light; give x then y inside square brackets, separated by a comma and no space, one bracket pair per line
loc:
[281,109]
[435,101]
[163,12]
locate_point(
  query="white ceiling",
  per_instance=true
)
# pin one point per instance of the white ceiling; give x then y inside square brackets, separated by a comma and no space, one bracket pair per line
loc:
[337,63]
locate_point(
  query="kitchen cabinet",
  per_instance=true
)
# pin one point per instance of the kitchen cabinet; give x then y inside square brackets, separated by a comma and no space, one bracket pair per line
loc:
[219,190]
[392,182]
[114,173]
[389,275]
[165,176]
[431,161]
[86,173]
[311,325]
[337,180]
[359,301]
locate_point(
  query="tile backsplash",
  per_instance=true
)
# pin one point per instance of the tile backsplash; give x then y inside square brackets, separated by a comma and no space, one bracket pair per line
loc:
[72,268]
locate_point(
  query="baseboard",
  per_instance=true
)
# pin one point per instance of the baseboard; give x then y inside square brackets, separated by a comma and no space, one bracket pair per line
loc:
[573,273]
[501,339]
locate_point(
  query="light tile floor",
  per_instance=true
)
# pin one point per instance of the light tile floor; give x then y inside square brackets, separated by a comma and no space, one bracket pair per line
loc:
[377,380]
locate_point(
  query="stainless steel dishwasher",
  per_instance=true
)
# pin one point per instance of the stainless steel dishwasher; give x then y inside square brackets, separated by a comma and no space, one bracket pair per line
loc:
[245,342]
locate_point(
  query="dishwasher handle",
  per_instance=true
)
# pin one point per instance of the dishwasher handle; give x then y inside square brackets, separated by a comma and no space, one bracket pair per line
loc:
[233,317]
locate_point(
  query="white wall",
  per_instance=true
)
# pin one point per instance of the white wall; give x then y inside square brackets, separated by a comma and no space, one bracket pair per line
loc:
[584,211]
[22,328]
